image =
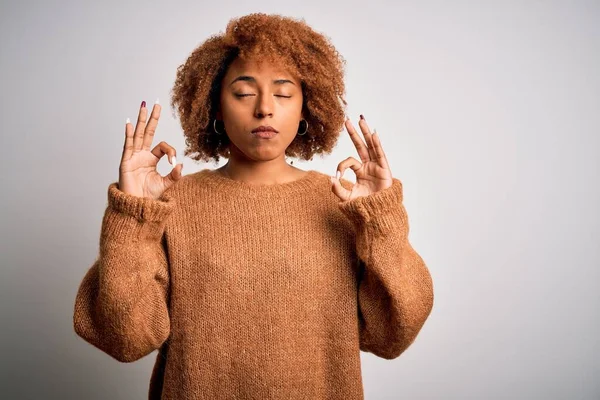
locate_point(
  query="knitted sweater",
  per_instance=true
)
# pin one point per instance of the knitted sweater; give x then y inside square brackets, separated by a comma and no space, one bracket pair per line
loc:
[254,291]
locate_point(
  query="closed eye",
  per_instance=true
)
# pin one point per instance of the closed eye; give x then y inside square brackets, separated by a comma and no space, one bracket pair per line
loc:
[277,95]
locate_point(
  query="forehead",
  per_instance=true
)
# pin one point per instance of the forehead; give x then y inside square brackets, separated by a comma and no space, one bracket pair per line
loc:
[258,69]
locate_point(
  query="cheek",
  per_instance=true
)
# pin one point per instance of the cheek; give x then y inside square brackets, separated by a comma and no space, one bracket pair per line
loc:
[292,107]
[235,112]
[228,106]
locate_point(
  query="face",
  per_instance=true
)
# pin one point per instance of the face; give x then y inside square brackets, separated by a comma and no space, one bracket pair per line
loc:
[257,94]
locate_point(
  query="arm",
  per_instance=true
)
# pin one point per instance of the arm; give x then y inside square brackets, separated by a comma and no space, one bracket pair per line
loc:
[121,305]
[395,292]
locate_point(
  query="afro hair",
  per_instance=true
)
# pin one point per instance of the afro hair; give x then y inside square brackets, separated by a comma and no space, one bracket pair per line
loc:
[284,41]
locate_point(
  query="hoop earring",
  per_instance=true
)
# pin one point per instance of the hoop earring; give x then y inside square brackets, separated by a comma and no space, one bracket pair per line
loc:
[215,128]
[305,130]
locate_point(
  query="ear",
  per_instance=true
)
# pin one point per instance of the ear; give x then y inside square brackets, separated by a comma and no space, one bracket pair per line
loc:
[219,116]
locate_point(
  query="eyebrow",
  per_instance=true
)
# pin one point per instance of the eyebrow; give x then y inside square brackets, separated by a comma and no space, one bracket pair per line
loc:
[251,79]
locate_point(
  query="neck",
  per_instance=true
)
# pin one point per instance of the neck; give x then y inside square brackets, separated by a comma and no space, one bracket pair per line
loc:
[264,172]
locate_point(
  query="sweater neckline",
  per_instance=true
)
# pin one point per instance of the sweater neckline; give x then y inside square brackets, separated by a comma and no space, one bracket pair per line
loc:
[221,182]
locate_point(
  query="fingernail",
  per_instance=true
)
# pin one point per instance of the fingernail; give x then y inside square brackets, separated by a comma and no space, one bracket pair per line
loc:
[338,174]
[143,104]
[173,161]
[156,102]
[128,121]
[361,116]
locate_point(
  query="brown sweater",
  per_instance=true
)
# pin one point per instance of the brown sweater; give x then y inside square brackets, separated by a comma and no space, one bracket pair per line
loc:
[254,292]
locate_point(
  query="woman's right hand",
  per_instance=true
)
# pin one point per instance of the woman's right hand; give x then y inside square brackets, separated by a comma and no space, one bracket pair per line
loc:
[137,172]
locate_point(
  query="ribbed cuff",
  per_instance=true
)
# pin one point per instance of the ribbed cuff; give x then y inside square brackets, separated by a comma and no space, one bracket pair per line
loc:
[382,211]
[130,218]
[141,208]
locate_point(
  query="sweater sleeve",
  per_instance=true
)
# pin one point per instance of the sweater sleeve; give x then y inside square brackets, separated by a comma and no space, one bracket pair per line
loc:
[121,305]
[395,289]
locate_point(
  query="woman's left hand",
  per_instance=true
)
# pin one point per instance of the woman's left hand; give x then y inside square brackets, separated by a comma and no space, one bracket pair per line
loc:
[373,174]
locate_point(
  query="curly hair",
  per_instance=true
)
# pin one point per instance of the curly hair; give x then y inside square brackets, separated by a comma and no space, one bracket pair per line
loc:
[284,41]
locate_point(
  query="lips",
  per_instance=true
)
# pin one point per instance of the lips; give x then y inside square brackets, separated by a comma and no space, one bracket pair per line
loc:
[264,132]
[264,128]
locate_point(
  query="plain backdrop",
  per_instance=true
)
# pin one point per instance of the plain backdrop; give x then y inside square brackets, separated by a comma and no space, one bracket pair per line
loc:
[488,113]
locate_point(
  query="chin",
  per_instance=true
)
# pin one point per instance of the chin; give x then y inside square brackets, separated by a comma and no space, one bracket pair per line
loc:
[264,154]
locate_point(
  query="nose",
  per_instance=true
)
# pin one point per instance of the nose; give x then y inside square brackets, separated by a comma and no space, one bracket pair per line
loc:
[264,106]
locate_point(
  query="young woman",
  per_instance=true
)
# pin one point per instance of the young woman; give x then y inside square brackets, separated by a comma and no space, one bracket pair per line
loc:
[257,280]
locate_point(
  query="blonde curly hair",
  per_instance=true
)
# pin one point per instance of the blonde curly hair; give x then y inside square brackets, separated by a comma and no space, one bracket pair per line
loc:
[284,41]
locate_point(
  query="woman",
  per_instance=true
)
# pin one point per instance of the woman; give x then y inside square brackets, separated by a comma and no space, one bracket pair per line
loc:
[257,279]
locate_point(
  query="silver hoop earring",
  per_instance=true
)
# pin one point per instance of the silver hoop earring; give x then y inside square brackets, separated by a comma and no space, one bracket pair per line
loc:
[215,127]
[305,130]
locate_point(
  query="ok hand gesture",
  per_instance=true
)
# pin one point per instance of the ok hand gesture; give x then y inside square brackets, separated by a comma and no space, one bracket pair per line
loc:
[373,174]
[137,173]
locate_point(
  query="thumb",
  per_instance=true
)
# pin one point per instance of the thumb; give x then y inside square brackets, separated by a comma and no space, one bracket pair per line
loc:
[173,176]
[339,190]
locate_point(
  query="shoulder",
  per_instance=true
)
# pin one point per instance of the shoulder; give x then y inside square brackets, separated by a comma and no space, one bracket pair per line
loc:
[185,185]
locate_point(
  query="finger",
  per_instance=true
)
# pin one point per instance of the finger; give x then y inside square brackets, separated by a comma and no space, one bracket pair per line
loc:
[128,145]
[349,162]
[151,127]
[138,136]
[173,176]
[380,157]
[164,148]
[366,131]
[361,147]
[340,190]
